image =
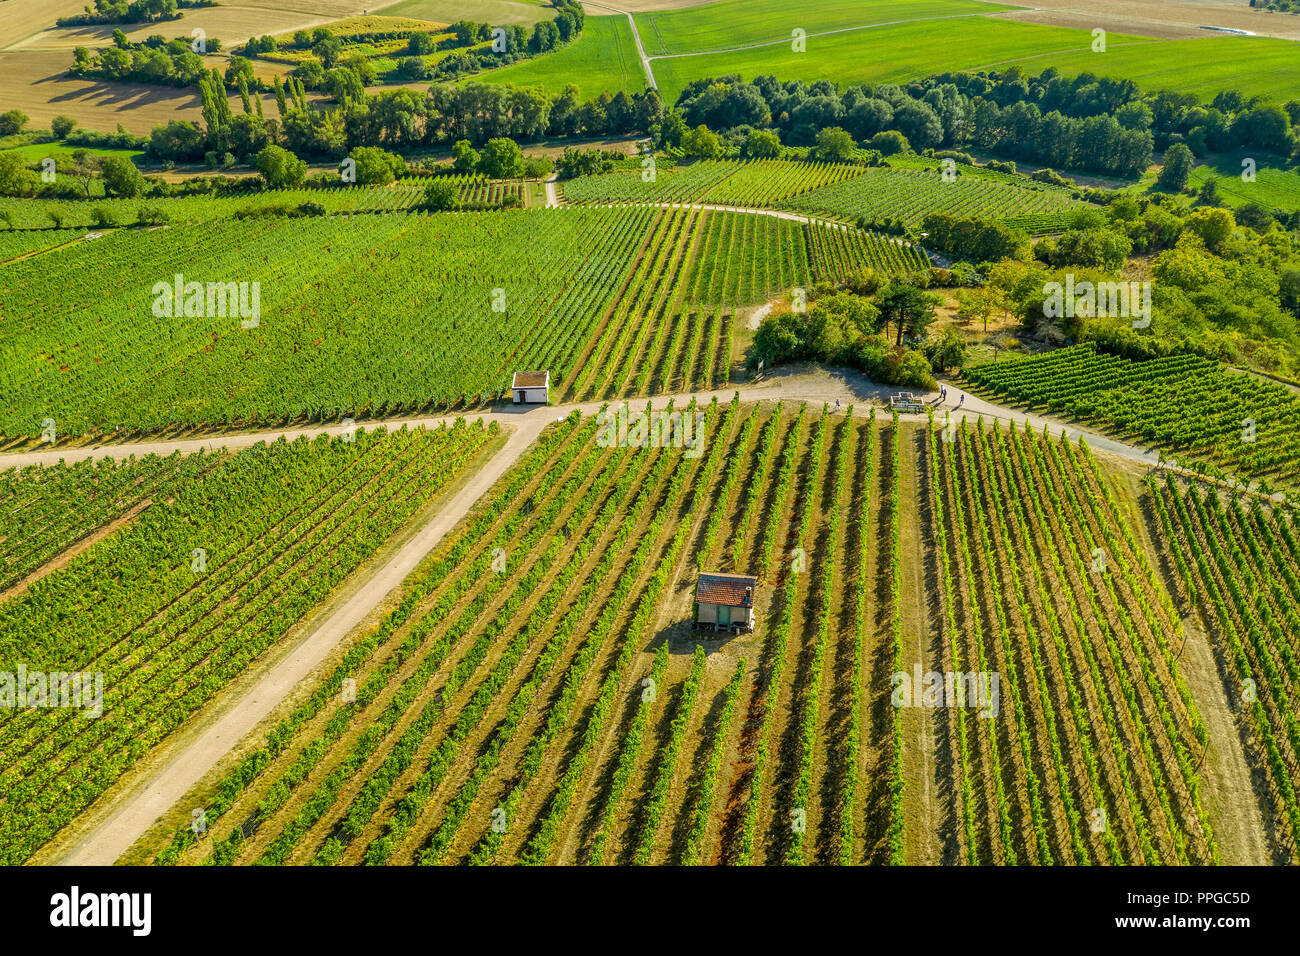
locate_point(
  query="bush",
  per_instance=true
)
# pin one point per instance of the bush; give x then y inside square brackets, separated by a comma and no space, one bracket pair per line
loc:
[103,217]
[441,194]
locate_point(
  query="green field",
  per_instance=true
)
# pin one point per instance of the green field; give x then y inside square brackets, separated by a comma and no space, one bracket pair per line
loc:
[1204,66]
[35,152]
[1275,186]
[14,244]
[1182,402]
[888,53]
[476,192]
[734,23]
[602,60]
[605,58]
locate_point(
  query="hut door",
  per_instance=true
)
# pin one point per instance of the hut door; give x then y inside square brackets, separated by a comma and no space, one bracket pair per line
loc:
[724,615]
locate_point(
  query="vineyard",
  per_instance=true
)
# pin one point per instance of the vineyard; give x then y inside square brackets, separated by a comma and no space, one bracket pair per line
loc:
[1091,756]
[475,191]
[1189,405]
[753,183]
[364,322]
[15,244]
[910,195]
[558,707]
[186,595]
[562,710]
[1239,564]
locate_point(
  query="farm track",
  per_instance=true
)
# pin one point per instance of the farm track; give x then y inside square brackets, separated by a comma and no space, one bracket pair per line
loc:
[133,811]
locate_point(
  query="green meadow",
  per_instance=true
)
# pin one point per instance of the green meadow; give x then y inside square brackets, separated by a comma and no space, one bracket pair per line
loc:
[928,41]
[1275,185]
[1202,65]
[602,60]
[889,53]
[35,152]
[735,23]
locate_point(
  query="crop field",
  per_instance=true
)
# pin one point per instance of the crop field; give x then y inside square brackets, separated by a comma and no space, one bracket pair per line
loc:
[602,60]
[562,709]
[897,52]
[502,717]
[1092,757]
[475,192]
[1238,563]
[737,23]
[910,195]
[1188,405]
[755,183]
[363,314]
[198,574]
[361,322]
[15,244]
[1275,186]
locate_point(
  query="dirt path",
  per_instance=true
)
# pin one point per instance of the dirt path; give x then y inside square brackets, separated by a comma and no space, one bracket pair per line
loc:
[107,831]
[799,384]
[552,194]
[62,559]
[120,825]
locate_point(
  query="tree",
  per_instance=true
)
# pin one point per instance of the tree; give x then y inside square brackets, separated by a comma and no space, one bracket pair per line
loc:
[413,68]
[947,352]
[280,168]
[151,216]
[441,194]
[889,142]
[328,50]
[835,145]
[981,302]
[12,122]
[15,178]
[61,126]
[1212,224]
[762,144]
[377,166]
[701,143]
[908,306]
[501,159]
[421,44]
[121,177]
[1176,170]
[464,157]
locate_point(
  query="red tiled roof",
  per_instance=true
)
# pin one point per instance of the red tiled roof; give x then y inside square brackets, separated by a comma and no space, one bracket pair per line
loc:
[530,379]
[725,589]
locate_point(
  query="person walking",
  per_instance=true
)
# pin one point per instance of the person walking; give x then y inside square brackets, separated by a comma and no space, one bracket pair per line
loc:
[943,394]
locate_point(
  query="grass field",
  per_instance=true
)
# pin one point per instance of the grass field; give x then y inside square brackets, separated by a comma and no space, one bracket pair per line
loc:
[1253,66]
[887,53]
[1276,185]
[35,152]
[894,52]
[734,23]
[602,60]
